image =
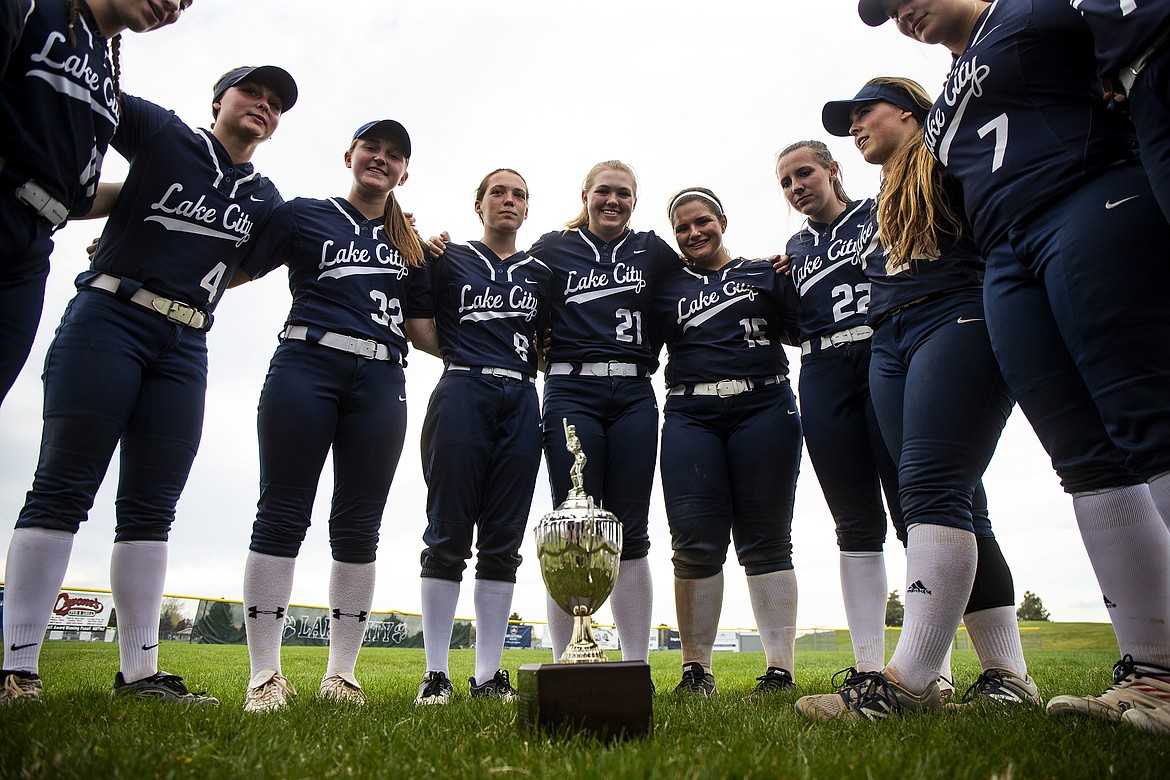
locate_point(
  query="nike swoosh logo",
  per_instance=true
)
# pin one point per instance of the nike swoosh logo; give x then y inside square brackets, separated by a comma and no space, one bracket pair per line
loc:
[16,647]
[792,411]
[639,251]
[401,398]
[150,647]
[1112,204]
[963,320]
[528,281]
[255,199]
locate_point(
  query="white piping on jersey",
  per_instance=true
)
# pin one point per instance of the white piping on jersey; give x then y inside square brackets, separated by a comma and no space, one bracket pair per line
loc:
[211,152]
[845,217]
[357,229]
[944,148]
[241,180]
[510,269]
[596,252]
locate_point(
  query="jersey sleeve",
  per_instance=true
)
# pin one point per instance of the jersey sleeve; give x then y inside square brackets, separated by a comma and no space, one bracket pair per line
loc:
[272,247]
[139,119]
[790,310]
[666,258]
[13,15]
[420,297]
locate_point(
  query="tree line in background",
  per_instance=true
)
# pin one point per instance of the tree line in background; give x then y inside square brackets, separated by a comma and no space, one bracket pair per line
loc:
[1031,608]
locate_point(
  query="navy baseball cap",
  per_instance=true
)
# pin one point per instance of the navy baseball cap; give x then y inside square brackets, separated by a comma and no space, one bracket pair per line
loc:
[873,12]
[277,79]
[835,116]
[386,127]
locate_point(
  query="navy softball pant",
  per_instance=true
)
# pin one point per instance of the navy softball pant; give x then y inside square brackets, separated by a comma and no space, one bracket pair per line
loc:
[316,398]
[942,404]
[845,445]
[117,372]
[729,468]
[481,452]
[617,423]
[1077,311]
[25,245]
[1149,108]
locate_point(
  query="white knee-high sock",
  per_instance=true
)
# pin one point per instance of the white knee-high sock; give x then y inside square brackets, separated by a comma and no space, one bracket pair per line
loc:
[351,594]
[440,598]
[944,669]
[697,604]
[863,586]
[493,604]
[268,581]
[37,560]
[631,602]
[1160,493]
[940,567]
[1129,547]
[560,627]
[138,572]
[995,633]
[773,598]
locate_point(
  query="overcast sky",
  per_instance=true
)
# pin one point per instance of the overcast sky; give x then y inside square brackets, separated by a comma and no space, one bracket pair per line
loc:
[689,93]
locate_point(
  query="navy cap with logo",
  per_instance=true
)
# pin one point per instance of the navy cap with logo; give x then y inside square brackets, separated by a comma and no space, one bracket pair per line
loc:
[835,116]
[873,12]
[277,79]
[387,127]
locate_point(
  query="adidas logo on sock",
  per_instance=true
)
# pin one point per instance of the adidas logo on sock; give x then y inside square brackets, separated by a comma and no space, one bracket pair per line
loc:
[1109,604]
[918,587]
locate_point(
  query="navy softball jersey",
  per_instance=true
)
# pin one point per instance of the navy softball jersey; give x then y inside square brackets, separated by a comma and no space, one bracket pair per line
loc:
[119,370]
[326,391]
[1074,242]
[481,440]
[1123,28]
[841,430]
[600,357]
[1021,120]
[58,111]
[728,324]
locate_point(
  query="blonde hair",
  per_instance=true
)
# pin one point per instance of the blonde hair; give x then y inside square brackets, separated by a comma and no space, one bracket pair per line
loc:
[401,233]
[824,158]
[913,213]
[582,219]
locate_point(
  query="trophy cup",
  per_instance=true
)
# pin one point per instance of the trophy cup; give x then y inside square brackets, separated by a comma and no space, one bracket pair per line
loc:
[579,546]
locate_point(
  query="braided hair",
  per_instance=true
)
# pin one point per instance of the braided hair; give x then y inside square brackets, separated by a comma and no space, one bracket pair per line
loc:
[113,54]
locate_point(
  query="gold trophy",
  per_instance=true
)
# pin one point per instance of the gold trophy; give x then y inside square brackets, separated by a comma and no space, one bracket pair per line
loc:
[579,545]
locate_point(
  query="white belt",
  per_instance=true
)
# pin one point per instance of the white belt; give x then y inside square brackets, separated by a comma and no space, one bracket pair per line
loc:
[1129,73]
[492,371]
[39,200]
[371,350]
[725,388]
[859,333]
[611,368]
[175,311]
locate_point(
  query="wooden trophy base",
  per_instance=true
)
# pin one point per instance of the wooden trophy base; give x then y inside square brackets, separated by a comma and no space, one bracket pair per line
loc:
[609,700]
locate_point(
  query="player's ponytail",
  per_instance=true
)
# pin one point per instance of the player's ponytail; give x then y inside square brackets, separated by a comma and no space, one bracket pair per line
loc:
[401,233]
[582,219]
[914,212]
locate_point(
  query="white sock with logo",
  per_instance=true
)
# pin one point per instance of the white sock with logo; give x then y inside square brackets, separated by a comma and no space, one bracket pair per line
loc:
[138,571]
[940,568]
[440,598]
[697,605]
[37,560]
[995,633]
[560,627]
[493,605]
[351,595]
[773,597]
[631,602]
[1129,547]
[268,582]
[863,586]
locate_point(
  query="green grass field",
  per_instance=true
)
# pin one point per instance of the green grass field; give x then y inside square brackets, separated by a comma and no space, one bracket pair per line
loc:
[79,732]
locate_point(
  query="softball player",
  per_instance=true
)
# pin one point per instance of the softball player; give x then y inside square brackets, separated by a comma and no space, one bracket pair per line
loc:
[1130,38]
[941,404]
[335,382]
[729,401]
[481,439]
[1075,247]
[841,430]
[128,368]
[56,121]
[600,357]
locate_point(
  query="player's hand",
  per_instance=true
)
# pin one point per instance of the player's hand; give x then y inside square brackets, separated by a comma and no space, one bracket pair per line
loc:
[437,245]
[91,250]
[782,263]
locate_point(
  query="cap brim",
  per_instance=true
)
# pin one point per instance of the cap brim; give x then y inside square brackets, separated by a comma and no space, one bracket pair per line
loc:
[391,128]
[872,12]
[837,118]
[277,79]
